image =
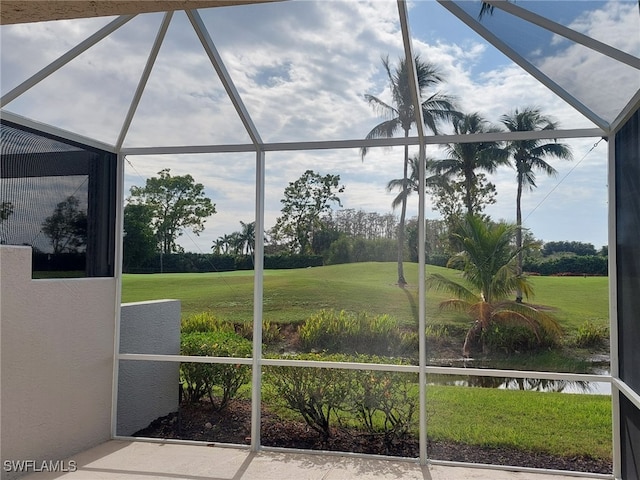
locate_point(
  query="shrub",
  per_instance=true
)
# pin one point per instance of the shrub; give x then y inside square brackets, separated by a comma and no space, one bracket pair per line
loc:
[384,402]
[514,338]
[270,331]
[315,393]
[348,332]
[592,335]
[204,322]
[380,402]
[200,379]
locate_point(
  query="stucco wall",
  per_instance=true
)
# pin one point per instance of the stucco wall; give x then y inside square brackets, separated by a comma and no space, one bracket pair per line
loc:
[148,390]
[56,361]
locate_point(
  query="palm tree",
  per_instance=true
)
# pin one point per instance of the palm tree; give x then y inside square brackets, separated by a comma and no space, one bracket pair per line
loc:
[247,236]
[401,115]
[406,188]
[528,156]
[466,158]
[488,261]
[218,245]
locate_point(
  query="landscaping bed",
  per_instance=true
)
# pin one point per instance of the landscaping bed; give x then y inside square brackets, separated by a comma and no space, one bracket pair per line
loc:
[233,426]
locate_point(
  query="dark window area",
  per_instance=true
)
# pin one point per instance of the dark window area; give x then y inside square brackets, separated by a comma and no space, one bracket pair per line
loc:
[628,249]
[630,436]
[628,277]
[58,197]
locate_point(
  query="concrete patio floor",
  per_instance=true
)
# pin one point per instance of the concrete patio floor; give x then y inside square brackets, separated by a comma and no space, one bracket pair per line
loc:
[137,460]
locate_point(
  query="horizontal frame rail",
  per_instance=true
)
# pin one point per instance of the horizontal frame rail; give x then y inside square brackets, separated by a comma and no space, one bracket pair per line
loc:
[478,372]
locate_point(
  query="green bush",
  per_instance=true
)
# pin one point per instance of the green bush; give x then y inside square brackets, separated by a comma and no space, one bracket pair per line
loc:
[378,402]
[270,331]
[204,322]
[592,335]
[318,394]
[347,332]
[384,402]
[514,338]
[200,379]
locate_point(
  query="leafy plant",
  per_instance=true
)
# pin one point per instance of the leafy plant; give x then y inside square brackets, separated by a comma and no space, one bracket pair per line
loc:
[488,262]
[204,322]
[384,402]
[592,335]
[349,332]
[315,393]
[270,331]
[200,379]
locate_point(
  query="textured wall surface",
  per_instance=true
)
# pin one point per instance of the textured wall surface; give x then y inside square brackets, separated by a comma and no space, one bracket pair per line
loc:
[56,361]
[25,11]
[148,390]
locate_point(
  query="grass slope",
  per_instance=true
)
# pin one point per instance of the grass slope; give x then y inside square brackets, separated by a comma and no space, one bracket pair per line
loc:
[291,295]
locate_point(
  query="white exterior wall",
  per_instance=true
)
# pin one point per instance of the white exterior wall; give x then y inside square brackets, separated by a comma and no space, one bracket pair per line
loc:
[148,390]
[56,361]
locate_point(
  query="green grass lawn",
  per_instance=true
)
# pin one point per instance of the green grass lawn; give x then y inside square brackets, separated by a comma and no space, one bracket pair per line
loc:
[556,423]
[291,295]
[562,424]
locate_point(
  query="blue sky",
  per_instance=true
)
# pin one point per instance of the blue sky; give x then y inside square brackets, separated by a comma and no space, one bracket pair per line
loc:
[302,69]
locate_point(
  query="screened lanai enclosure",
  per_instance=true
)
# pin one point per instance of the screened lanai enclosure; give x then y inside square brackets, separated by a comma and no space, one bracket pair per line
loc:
[248,97]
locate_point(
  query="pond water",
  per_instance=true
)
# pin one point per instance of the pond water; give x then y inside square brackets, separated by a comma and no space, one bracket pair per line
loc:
[531,384]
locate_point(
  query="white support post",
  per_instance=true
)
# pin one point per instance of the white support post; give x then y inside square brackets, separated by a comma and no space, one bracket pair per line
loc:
[258,287]
[613,311]
[422,304]
[119,232]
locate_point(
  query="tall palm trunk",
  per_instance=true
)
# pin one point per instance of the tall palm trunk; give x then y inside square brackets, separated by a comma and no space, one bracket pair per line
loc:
[403,213]
[468,185]
[519,234]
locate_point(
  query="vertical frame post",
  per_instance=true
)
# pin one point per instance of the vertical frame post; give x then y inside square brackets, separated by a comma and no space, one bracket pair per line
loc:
[613,310]
[119,233]
[258,289]
[422,304]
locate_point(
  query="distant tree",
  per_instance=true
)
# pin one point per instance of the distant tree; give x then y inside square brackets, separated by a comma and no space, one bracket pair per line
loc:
[406,187]
[529,156]
[305,202]
[400,117]
[218,245]
[6,209]
[358,223]
[139,244]
[248,237]
[177,203]
[67,227]
[578,248]
[466,159]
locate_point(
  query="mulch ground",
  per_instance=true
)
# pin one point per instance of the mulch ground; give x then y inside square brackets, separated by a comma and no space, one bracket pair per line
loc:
[202,423]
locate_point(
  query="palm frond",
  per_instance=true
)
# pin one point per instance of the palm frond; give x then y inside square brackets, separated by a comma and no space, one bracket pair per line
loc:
[442,283]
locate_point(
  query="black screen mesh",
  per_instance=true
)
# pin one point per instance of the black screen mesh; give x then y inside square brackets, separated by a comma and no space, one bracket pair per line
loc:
[57,197]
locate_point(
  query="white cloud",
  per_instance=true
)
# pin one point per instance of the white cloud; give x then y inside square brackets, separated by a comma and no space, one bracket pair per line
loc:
[301,69]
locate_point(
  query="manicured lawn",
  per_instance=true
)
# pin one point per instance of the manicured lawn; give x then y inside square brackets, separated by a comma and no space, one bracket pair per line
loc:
[291,295]
[562,424]
[556,423]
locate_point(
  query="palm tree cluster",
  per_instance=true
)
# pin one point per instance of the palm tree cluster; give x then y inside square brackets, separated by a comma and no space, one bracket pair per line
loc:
[463,171]
[237,243]
[490,255]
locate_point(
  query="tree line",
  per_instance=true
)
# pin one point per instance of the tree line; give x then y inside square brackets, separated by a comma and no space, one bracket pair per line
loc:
[311,222]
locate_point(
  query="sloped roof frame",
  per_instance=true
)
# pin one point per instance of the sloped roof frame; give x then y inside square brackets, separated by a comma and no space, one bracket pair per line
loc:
[604,128]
